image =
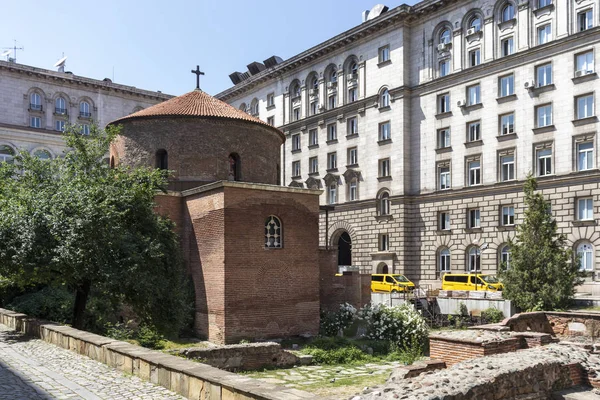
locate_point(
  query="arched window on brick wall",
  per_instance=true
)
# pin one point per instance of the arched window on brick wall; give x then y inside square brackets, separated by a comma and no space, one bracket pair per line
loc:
[273,233]
[474,259]
[162,159]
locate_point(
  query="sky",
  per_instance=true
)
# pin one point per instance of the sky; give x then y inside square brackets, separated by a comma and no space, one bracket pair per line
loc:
[155,44]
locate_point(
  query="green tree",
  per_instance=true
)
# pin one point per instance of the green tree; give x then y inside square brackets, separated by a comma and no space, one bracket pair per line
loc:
[76,222]
[543,272]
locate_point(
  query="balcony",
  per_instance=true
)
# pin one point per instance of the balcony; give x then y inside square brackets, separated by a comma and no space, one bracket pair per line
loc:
[60,111]
[83,114]
[35,107]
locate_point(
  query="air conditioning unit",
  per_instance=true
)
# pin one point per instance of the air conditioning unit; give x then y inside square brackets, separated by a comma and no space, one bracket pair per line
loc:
[442,46]
[529,85]
[461,103]
[471,31]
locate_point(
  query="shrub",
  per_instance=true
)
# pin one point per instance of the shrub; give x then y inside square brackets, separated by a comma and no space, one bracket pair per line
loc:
[342,355]
[119,331]
[333,323]
[50,303]
[492,315]
[148,336]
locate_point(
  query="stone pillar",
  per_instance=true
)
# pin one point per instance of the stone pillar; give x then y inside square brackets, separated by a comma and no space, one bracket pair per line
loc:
[303,101]
[287,112]
[457,50]
[523,28]
[362,80]
[487,53]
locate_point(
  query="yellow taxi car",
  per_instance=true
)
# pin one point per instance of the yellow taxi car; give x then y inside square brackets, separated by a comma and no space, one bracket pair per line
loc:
[391,283]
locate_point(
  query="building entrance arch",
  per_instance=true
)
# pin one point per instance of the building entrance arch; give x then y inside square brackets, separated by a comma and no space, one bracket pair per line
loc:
[343,241]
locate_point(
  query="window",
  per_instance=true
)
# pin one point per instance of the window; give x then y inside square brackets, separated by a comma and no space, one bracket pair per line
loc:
[543,115]
[42,154]
[585,156]
[313,163]
[585,20]
[585,62]
[352,95]
[585,251]
[508,12]
[60,125]
[444,68]
[543,3]
[384,204]
[6,154]
[354,69]
[585,106]
[544,162]
[315,86]
[474,57]
[507,85]
[384,54]
[352,156]
[333,76]
[544,34]
[507,124]
[543,75]
[295,91]
[585,209]
[508,215]
[507,168]
[332,101]
[295,114]
[85,129]
[443,137]
[35,122]
[313,137]
[273,236]
[332,193]
[445,36]
[474,219]
[60,106]
[475,23]
[474,259]
[296,142]
[352,126]
[443,103]
[331,132]
[296,169]
[332,160]
[384,100]
[162,159]
[474,131]
[474,171]
[384,242]
[474,94]
[384,168]
[444,220]
[313,107]
[353,190]
[505,257]
[271,120]
[508,46]
[270,99]
[385,131]
[35,102]
[444,177]
[84,109]
[444,260]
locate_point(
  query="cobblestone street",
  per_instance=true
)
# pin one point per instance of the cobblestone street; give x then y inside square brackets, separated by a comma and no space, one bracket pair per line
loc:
[31,369]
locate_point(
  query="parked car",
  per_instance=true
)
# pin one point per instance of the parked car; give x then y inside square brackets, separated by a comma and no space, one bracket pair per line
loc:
[391,283]
[471,282]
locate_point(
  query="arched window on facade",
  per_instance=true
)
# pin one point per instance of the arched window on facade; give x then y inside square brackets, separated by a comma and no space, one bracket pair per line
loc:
[332,193]
[162,159]
[333,75]
[254,107]
[234,167]
[475,23]
[505,257]
[585,251]
[42,154]
[243,107]
[474,259]
[85,109]
[273,233]
[444,260]
[384,203]
[60,106]
[314,85]
[6,154]
[445,36]
[384,98]
[383,268]
[35,101]
[508,12]
[295,90]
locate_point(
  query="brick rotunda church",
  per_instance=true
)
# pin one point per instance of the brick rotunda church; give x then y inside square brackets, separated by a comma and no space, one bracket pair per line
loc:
[250,245]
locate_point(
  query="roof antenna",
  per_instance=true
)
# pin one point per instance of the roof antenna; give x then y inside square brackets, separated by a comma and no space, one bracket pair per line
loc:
[61,64]
[14,49]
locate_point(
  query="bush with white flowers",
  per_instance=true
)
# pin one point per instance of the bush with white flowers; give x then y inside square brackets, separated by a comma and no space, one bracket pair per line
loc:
[401,325]
[332,323]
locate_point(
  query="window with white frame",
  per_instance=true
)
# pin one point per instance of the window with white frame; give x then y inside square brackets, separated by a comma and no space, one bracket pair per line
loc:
[270,99]
[508,215]
[543,3]
[474,131]
[507,46]
[585,251]
[85,112]
[60,125]
[7,154]
[384,54]
[474,218]
[585,156]
[85,129]
[35,122]
[585,209]
[474,94]
[332,101]
[543,74]
[444,261]
[352,95]
[385,131]
[444,220]
[273,234]
[352,126]
[332,160]
[295,114]
[507,167]
[353,190]
[445,36]
[443,103]
[585,106]
[60,106]
[585,20]
[313,108]
[544,161]
[384,168]
[474,57]
[585,62]
[443,138]
[384,203]
[444,68]
[384,242]
[444,181]
[508,12]
[505,257]
[331,132]
[474,172]
[296,142]
[474,259]
[507,124]
[332,193]
[384,99]
[271,120]
[296,169]
[352,156]
[35,102]
[313,163]
[475,23]
[313,137]
[543,115]
[507,85]
[544,34]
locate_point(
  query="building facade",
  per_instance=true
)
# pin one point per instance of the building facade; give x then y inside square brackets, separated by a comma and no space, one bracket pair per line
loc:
[421,124]
[37,104]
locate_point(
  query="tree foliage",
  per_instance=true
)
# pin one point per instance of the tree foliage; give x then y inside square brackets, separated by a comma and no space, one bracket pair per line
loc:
[543,272]
[76,222]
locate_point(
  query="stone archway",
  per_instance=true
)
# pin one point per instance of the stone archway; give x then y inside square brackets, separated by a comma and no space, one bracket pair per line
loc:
[344,244]
[382,268]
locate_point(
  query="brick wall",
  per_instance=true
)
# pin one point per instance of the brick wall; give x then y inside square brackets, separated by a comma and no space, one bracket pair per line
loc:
[453,351]
[556,323]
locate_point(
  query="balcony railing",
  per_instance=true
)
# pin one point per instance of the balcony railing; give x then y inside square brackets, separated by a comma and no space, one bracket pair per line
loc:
[61,111]
[35,107]
[84,114]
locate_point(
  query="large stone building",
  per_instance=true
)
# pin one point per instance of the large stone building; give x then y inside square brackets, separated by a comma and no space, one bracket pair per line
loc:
[36,104]
[422,122]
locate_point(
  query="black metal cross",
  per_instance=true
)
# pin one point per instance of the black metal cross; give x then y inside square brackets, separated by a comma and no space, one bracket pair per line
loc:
[198,73]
